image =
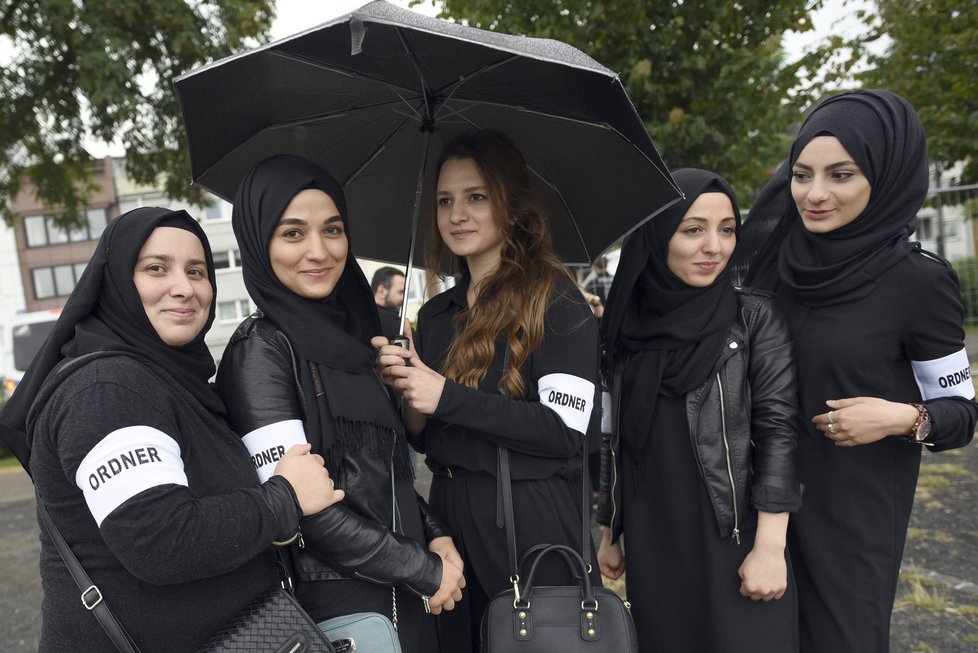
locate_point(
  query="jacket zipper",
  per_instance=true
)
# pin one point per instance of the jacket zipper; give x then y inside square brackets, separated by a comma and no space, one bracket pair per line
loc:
[726,448]
[616,411]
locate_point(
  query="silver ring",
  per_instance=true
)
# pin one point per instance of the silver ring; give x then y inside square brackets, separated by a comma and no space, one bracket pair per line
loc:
[831,428]
[830,416]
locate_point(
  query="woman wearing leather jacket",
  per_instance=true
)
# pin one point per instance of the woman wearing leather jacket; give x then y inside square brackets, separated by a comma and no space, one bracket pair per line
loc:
[698,474]
[301,369]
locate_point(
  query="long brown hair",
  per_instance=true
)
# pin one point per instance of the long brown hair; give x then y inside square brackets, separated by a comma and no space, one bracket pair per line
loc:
[514,298]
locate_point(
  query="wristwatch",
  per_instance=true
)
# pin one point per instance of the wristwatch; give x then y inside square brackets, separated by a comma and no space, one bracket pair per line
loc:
[921,428]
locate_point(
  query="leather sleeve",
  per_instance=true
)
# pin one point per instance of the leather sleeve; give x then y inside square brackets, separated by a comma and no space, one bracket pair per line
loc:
[604,512]
[774,410]
[257,382]
[433,527]
[363,548]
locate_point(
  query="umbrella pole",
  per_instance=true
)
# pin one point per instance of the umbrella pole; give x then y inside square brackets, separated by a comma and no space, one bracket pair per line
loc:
[415,218]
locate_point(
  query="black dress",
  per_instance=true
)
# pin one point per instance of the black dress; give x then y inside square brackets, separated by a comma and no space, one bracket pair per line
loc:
[462,437]
[847,542]
[689,595]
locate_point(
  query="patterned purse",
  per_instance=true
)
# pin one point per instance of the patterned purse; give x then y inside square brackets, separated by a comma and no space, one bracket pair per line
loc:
[272,622]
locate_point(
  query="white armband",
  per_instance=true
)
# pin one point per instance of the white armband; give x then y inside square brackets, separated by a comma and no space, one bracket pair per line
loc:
[126,462]
[568,396]
[268,444]
[949,376]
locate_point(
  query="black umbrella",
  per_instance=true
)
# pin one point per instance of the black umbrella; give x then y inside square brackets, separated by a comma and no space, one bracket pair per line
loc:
[374,95]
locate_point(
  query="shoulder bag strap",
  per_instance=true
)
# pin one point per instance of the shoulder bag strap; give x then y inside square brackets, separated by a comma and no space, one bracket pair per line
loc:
[91,596]
[504,504]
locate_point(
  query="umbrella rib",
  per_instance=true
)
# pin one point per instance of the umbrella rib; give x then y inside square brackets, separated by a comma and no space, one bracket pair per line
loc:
[343,71]
[329,115]
[422,83]
[377,151]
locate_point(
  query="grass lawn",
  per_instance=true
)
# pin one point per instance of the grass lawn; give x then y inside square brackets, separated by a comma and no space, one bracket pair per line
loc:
[9,462]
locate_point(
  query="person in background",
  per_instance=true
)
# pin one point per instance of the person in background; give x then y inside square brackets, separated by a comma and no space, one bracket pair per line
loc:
[697,479]
[132,457]
[508,357]
[388,288]
[600,280]
[882,369]
[300,370]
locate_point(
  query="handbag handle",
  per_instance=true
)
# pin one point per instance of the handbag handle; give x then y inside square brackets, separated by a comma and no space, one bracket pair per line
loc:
[539,548]
[576,565]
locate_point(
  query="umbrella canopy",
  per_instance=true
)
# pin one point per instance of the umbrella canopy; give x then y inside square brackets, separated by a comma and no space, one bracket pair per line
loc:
[374,95]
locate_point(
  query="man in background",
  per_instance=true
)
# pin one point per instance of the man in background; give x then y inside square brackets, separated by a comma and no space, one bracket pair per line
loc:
[388,289]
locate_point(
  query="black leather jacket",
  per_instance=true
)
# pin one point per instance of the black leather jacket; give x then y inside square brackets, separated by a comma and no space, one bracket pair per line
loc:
[258,382]
[741,425]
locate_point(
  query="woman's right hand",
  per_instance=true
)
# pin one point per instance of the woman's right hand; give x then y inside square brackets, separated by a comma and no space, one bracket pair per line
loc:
[306,473]
[611,560]
[450,591]
[389,355]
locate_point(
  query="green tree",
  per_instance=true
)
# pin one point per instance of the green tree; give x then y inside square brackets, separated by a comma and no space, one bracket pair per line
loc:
[932,60]
[708,77]
[103,71]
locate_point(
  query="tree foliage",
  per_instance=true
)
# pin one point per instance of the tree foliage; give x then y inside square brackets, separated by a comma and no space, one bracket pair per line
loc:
[102,71]
[708,76]
[932,60]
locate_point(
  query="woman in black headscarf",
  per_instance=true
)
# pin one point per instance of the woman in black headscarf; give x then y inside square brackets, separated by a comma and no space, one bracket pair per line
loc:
[882,367]
[301,369]
[132,457]
[698,473]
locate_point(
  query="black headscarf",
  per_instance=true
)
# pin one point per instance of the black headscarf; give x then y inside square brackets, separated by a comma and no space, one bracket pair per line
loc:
[672,332]
[884,136]
[105,313]
[332,334]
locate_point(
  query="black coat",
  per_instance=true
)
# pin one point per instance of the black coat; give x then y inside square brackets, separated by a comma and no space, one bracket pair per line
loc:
[742,424]
[258,382]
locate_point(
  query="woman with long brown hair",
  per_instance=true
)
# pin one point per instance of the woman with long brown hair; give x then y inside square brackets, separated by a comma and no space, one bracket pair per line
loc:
[507,357]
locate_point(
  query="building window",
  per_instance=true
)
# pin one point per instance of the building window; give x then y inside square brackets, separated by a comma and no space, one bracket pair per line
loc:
[218,211]
[227,259]
[233,311]
[925,228]
[57,281]
[222,260]
[43,282]
[40,230]
[97,219]
[35,231]
[64,279]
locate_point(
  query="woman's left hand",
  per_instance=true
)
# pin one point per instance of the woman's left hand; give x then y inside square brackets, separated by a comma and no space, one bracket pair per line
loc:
[764,574]
[418,384]
[862,420]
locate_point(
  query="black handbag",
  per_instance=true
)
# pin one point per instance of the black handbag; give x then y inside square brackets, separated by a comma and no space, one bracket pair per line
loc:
[274,622]
[577,618]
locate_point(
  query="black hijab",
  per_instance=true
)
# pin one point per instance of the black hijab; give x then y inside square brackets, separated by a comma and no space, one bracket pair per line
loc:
[104,313]
[884,136]
[672,332]
[330,336]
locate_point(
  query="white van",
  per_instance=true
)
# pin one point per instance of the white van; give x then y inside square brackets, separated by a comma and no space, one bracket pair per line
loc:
[23,336]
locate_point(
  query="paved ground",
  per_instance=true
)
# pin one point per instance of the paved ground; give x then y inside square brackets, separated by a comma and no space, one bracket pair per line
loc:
[936,610]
